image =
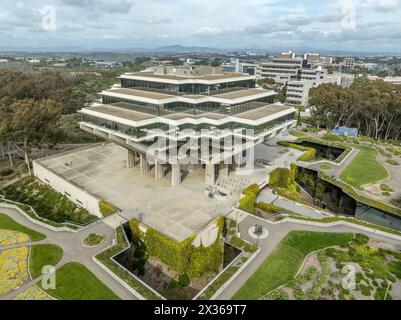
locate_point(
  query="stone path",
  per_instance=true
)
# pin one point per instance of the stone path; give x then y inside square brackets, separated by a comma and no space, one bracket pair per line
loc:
[267,196]
[73,251]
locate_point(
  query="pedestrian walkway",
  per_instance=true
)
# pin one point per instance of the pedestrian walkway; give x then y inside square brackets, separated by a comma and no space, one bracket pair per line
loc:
[267,196]
[73,250]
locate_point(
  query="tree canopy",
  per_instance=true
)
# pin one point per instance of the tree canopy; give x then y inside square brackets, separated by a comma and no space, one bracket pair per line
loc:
[374,107]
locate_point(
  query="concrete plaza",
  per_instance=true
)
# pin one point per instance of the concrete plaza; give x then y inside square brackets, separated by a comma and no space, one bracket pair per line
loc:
[178,211]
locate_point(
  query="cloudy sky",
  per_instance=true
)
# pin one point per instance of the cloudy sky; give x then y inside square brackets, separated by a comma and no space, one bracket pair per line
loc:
[364,25]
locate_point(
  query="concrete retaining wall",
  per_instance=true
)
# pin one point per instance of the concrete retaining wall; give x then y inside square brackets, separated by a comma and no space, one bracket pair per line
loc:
[73,192]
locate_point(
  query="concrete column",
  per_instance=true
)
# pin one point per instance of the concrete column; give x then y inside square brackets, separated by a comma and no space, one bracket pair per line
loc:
[224,170]
[175,174]
[131,159]
[145,167]
[210,175]
[159,170]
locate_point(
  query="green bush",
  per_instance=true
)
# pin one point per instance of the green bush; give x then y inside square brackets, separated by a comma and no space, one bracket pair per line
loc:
[252,189]
[182,257]
[393,162]
[309,155]
[247,203]
[184,280]
[106,209]
[386,187]
[6,172]
[47,203]
[325,167]
[280,178]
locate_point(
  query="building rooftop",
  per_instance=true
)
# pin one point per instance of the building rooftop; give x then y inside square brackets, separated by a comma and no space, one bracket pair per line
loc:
[262,112]
[187,78]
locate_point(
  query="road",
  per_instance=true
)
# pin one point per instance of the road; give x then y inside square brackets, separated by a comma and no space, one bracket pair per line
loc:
[73,251]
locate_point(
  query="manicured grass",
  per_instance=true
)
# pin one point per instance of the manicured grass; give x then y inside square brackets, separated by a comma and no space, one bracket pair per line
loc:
[43,255]
[48,203]
[7,223]
[75,282]
[93,240]
[364,168]
[386,187]
[286,259]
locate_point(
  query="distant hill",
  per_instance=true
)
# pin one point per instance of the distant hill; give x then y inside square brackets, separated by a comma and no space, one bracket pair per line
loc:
[180,48]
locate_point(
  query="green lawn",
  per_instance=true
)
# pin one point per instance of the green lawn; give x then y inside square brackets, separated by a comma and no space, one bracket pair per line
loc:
[284,262]
[75,282]
[7,223]
[364,168]
[43,255]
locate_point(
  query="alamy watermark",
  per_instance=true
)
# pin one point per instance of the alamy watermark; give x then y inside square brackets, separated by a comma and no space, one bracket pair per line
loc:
[190,147]
[49,18]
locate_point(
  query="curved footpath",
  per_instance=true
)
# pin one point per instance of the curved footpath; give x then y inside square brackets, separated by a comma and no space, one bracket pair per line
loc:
[73,251]
[277,232]
[71,242]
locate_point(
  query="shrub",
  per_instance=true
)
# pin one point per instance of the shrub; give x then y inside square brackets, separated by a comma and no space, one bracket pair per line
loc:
[385,187]
[6,172]
[392,162]
[106,209]
[325,167]
[386,193]
[280,295]
[252,189]
[361,239]
[47,203]
[280,178]
[247,203]
[184,280]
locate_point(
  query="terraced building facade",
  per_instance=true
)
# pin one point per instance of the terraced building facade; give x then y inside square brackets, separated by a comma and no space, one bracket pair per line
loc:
[177,118]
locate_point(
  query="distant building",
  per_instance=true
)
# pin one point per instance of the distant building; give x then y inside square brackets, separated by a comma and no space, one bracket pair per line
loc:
[349,63]
[3,60]
[287,55]
[111,64]
[298,92]
[326,60]
[393,80]
[33,61]
[312,58]
[282,69]
[236,65]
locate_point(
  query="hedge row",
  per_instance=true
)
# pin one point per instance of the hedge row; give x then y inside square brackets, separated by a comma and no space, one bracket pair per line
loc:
[106,209]
[309,155]
[252,189]
[247,203]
